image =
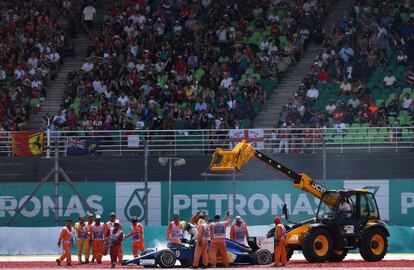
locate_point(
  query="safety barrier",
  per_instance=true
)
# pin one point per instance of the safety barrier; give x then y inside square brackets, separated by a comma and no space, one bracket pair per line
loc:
[169,142]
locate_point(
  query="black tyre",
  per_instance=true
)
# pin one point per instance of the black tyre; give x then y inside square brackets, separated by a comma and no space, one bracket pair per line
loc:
[186,263]
[373,245]
[338,255]
[317,245]
[262,257]
[166,259]
[289,253]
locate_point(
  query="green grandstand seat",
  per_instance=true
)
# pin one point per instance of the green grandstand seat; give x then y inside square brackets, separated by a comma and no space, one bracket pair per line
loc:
[245,123]
[283,41]
[378,102]
[391,120]
[407,90]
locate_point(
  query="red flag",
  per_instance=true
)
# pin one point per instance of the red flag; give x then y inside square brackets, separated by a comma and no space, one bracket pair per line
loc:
[27,144]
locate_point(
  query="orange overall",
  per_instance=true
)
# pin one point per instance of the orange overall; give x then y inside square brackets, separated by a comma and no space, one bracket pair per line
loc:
[108,226]
[238,233]
[89,247]
[202,245]
[97,232]
[218,242]
[83,240]
[137,239]
[65,237]
[280,245]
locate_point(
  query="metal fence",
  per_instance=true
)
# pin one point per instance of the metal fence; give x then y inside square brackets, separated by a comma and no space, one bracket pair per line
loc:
[300,140]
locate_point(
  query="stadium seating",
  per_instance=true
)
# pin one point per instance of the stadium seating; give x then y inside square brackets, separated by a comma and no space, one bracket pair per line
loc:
[182,65]
[33,44]
[370,64]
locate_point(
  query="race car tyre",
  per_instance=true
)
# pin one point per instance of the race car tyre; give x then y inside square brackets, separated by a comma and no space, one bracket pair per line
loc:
[262,257]
[373,245]
[166,259]
[186,263]
[317,245]
[337,255]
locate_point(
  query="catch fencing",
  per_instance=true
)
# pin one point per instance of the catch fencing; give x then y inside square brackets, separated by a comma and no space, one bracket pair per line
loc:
[177,142]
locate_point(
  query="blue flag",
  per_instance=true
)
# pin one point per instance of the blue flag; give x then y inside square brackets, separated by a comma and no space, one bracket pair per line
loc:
[80,146]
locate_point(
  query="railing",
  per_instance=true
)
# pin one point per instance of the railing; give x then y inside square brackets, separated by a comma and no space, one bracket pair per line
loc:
[172,142]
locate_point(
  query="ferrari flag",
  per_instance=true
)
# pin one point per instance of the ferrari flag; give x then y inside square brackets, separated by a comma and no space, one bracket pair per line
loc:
[27,144]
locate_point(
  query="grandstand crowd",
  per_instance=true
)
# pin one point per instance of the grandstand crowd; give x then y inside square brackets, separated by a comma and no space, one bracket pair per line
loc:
[35,36]
[362,76]
[187,64]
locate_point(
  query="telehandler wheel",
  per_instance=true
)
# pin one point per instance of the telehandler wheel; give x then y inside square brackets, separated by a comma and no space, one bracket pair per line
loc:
[373,245]
[289,253]
[317,245]
[337,255]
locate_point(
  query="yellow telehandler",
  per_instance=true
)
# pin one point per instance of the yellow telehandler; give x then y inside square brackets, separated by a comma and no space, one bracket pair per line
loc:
[345,220]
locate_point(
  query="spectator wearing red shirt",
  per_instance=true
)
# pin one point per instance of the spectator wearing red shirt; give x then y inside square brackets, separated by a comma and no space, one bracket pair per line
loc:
[373,110]
[323,76]
[365,114]
[181,65]
[338,114]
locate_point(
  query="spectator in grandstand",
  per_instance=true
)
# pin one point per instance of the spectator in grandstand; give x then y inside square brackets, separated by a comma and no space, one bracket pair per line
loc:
[345,88]
[284,136]
[340,127]
[88,17]
[396,132]
[406,101]
[330,108]
[346,53]
[389,80]
[312,94]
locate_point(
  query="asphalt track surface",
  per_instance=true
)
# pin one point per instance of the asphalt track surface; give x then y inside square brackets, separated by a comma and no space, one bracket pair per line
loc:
[353,261]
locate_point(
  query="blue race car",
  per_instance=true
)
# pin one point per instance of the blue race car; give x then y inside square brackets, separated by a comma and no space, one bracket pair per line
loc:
[184,253]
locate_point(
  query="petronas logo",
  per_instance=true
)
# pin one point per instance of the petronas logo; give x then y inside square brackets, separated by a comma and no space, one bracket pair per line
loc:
[373,189]
[135,205]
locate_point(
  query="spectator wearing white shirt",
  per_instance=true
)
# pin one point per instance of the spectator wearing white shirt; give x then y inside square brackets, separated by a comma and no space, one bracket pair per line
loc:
[54,56]
[88,16]
[354,102]
[33,61]
[406,101]
[123,100]
[331,107]
[37,84]
[389,80]
[88,66]
[231,102]
[345,88]
[273,18]
[222,34]
[226,81]
[340,127]
[59,119]
[97,85]
[346,53]
[19,73]
[200,106]
[402,58]
[312,94]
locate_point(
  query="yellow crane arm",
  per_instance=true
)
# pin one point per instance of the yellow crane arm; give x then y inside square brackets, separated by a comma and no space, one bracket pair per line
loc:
[242,153]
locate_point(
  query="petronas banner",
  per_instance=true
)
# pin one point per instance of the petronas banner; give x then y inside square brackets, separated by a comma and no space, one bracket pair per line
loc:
[256,201]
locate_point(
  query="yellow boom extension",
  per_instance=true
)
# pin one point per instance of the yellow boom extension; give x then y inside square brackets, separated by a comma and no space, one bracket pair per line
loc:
[231,160]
